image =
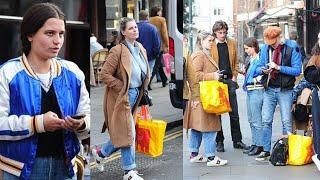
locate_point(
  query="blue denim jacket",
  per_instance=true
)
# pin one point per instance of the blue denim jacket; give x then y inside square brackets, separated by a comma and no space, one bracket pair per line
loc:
[251,76]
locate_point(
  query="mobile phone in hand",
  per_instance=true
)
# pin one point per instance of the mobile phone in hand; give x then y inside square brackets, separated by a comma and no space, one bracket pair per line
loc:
[78,116]
[222,71]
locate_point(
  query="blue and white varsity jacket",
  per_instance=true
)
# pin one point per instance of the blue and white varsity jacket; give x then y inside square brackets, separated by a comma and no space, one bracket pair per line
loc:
[20,108]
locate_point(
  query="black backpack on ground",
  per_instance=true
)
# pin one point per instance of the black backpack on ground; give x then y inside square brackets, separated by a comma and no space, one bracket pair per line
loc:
[279,154]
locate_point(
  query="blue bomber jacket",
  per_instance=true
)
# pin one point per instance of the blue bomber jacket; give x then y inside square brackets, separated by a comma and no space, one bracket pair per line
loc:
[290,66]
[20,108]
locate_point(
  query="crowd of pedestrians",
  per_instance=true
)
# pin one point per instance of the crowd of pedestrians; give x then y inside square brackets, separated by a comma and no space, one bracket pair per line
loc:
[270,72]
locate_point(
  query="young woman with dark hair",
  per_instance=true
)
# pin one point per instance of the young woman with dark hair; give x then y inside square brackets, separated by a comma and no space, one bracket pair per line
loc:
[254,88]
[40,94]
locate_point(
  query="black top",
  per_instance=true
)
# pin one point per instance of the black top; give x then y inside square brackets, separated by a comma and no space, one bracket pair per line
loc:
[224,61]
[50,143]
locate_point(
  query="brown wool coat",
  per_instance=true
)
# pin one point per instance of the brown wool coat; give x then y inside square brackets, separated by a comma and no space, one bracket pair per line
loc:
[201,67]
[233,57]
[116,74]
[160,23]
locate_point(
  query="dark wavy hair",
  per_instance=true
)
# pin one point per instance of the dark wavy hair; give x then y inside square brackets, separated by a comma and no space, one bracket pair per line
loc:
[154,11]
[252,42]
[218,25]
[34,19]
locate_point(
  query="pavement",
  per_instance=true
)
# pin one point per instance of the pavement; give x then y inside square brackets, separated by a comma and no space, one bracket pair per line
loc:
[165,167]
[241,166]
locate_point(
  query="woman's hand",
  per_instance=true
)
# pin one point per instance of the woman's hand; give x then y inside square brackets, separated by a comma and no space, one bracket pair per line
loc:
[52,122]
[73,124]
[216,75]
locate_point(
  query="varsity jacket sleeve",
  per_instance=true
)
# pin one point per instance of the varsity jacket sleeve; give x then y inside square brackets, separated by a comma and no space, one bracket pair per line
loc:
[13,127]
[296,63]
[84,108]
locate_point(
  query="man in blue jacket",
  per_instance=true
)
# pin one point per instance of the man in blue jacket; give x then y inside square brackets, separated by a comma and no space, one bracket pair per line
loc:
[280,63]
[149,38]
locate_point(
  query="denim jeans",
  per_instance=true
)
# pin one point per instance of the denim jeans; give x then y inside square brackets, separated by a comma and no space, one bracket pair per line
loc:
[273,96]
[45,168]
[127,153]
[316,121]
[254,108]
[151,64]
[209,142]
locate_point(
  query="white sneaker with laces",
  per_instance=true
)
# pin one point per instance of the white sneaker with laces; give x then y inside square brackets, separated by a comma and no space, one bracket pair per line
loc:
[132,175]
[217,162]
[198,159]
[316,161]
[98,160]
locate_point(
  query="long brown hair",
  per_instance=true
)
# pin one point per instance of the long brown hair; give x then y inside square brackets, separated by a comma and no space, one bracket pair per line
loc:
[154,11]
[34,19]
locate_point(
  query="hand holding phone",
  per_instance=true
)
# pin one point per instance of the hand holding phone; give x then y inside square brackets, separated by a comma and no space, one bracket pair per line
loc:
[222,71]
[265,70]
[78,116]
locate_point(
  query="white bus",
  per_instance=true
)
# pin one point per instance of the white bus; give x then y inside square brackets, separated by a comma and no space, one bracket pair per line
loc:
[173,12]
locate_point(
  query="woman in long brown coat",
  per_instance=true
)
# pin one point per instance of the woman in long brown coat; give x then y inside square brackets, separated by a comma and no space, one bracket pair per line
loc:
[125,74]
[203,125]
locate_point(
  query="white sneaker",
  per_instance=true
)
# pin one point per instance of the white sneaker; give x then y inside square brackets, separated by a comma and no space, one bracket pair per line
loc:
[217,162]
[132,175]
[198,159]
[98,160]
[316,161]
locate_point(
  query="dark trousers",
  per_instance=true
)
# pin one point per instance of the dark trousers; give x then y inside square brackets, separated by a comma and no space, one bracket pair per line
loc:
[316,122]
[234,115]
[158,67]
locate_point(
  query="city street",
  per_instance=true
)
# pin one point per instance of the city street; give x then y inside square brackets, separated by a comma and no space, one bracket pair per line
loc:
[167,166]
[241,166]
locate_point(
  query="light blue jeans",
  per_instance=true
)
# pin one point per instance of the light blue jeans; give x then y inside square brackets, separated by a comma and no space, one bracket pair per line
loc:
[151,64]
[254,110]
[209,139]
[45,168]
[127,153]
[273,96]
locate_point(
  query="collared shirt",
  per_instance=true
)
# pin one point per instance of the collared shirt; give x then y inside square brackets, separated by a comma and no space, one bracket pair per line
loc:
[138,66]
[218,41]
